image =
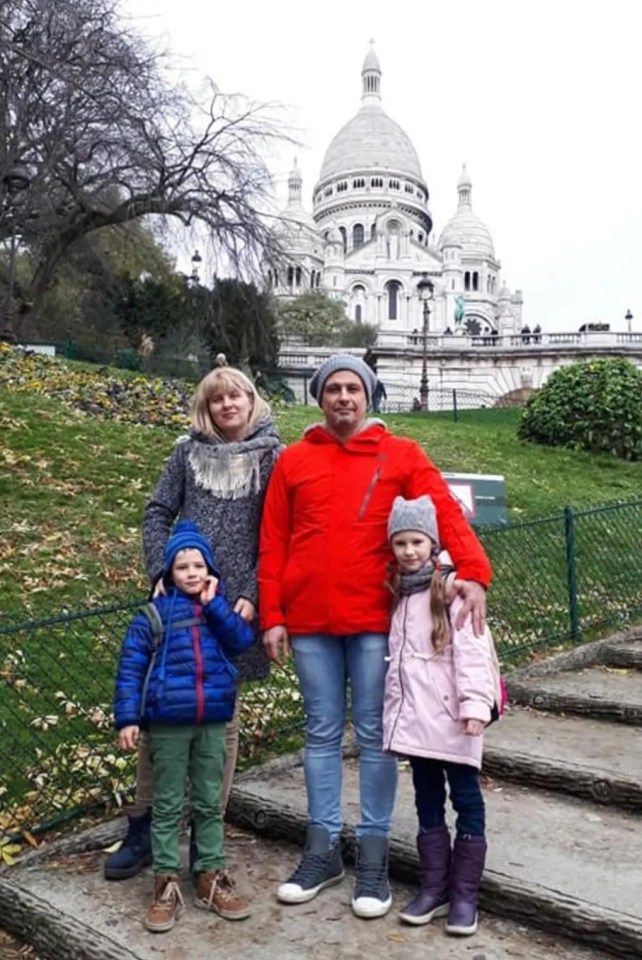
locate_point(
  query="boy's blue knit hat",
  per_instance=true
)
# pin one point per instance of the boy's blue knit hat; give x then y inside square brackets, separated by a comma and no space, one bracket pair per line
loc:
[187,536]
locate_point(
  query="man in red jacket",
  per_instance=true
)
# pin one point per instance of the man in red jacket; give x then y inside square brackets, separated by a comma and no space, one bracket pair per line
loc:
[322,568]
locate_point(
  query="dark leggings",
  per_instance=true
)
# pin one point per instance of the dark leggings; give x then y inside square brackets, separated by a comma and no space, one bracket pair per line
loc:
[429,779]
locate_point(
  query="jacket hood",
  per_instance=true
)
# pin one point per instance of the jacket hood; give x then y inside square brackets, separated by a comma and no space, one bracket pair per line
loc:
[369,436]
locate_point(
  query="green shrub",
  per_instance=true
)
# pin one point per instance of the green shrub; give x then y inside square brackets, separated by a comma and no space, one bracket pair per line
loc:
[593,405]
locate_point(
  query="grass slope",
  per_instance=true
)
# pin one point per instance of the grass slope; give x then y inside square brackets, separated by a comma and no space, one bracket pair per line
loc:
[73,487]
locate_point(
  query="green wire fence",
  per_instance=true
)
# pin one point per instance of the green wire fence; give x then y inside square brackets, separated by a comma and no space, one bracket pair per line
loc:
[556,579]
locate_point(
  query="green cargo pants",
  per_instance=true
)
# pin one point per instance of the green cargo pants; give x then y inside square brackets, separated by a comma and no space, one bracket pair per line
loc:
[178,752]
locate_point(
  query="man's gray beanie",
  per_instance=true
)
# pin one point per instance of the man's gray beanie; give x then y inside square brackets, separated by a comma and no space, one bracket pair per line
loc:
[419,515]
[342,361]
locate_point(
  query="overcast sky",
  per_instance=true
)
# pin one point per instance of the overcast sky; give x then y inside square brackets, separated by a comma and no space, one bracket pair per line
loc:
[540,100]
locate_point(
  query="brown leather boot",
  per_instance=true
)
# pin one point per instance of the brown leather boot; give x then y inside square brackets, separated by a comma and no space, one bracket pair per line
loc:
[215,890]
[167,904]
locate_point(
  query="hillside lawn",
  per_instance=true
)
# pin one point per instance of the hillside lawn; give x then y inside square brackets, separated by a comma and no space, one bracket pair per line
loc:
[73,488]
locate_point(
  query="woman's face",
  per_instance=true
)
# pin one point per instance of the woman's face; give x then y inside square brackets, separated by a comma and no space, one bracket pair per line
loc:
[230,409]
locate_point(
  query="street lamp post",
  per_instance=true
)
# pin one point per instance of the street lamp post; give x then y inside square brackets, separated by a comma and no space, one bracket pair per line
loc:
[13,181]
[196,259]
[425,288]
[628,316]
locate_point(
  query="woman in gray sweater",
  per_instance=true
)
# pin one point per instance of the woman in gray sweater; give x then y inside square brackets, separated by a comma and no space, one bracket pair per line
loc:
[217,477]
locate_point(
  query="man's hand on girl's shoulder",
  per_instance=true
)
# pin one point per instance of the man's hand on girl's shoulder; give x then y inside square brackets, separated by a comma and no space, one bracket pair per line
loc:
[474,605]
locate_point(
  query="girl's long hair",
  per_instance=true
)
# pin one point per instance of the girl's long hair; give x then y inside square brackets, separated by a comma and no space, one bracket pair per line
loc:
[225,378]
[437,605]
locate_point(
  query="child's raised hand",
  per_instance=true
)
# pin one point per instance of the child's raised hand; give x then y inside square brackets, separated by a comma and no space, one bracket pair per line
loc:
[128,737]
[209,589]
[474,728]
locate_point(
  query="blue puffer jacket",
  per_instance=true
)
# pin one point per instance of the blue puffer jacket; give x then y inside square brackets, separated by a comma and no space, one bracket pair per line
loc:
[188,678]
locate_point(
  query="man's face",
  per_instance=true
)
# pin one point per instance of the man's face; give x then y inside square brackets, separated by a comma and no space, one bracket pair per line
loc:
[344,403]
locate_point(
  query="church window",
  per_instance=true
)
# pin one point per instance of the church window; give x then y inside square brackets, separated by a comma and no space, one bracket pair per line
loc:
[344,237]
[393,240]
[269,278]
[467,280]
[276,278]
[452,284]
[327,192]
[357,235]
[298,276]
[290,276]
[357,313]
[342,187]
[475,280]
[408,187]
[318,279]
[420,237]
[392,290]
[393,184]
[376,182]
[373,230]
[358,184]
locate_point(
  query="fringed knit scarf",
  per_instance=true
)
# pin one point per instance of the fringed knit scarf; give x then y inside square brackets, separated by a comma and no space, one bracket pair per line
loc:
[230,471]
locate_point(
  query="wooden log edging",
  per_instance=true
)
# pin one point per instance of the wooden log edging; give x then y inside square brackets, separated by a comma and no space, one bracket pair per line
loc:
[595,785]
[580,657]
[625,656]
[541,698]
[504,896]
[51,932]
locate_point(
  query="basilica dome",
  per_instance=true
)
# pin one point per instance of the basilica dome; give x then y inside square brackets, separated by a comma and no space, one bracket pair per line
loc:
[371,141]
[466,228]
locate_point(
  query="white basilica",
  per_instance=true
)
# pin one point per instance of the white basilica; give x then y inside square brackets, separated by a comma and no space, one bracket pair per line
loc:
[368,241]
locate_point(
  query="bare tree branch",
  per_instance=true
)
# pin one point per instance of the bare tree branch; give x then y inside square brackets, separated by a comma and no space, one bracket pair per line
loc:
[85,108]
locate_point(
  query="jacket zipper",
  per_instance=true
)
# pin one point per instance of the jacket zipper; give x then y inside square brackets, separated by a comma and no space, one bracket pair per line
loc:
[198,657]
[401,685]
[366,500]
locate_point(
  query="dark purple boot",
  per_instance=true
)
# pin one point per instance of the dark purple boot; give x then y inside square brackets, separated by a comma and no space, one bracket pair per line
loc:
[469,856]
[434,863]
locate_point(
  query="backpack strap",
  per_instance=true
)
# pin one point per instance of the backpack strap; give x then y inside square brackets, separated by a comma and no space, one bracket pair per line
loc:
[150,611]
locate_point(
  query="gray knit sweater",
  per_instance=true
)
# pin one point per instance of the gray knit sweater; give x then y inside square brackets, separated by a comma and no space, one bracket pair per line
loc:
[221,487]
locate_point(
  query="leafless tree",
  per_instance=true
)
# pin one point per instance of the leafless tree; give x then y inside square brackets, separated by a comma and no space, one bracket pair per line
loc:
[86,110]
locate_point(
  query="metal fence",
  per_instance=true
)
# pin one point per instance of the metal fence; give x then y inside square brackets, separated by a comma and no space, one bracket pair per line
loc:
[556,579]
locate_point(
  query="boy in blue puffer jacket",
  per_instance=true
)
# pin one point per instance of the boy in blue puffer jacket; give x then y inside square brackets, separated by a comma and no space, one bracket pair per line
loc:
[183,691]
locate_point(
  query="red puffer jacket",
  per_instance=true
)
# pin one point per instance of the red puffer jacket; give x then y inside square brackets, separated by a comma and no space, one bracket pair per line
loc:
[324,543]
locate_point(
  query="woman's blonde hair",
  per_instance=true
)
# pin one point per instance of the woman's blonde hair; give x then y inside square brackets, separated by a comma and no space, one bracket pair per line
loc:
[440,635]
[225,378]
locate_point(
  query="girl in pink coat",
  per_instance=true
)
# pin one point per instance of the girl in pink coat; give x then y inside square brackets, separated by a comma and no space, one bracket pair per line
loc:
[440,693]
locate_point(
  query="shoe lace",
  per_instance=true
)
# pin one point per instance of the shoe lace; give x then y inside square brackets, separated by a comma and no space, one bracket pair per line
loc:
[171,891]
[224,886]
[312,864]
[371,879]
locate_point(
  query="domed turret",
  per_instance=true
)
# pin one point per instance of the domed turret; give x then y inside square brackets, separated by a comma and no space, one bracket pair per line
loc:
[466,227]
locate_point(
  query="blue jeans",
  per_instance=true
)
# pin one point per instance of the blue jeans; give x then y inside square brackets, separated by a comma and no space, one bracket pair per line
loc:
[325,663]
[429,776]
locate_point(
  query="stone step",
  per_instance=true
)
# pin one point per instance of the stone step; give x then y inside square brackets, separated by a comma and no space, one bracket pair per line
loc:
[627,656]
[598,691]
[60,903]
[581,756]
[556,862]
